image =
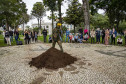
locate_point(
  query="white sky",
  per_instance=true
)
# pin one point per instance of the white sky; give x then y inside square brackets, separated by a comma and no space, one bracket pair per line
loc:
[29,4]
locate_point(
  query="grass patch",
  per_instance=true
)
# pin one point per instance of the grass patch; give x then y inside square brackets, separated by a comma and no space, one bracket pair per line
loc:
[41,38]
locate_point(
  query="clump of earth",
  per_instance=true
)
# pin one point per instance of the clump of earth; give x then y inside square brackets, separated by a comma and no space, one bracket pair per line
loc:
[52,59]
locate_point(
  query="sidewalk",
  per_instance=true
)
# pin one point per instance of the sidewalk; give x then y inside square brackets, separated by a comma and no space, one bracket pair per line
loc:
[97,64]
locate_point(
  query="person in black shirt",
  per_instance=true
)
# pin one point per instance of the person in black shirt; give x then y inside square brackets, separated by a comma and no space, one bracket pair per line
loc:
[81,31]
[103,36]
[16,35]
[26,37]
[11,35]
[44,32]
[7,37]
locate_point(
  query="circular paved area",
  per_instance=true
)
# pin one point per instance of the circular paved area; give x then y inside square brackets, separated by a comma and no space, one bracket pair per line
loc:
[97,64]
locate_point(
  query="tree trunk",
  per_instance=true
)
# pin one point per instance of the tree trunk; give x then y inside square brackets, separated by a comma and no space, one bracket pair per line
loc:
[40,28]
[74,29]
[117,25]
[23,27]
[38,22]
[60,15]
[52,20]
[7,27]
[86,14]
[59,6]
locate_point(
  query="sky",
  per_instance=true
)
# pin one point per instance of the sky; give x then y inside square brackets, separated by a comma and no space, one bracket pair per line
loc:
[30,3]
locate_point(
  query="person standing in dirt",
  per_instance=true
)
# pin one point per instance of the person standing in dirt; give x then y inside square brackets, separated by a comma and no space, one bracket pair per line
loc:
[44,32]
[56,36]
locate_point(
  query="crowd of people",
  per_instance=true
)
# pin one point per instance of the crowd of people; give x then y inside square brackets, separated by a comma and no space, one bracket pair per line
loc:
[8,36]
[108,36]
[28,37]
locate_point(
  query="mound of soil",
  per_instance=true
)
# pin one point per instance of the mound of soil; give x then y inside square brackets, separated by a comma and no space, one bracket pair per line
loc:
[52,59]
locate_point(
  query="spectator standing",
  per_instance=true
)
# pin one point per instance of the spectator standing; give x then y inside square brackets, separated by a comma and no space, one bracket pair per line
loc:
[26,37]
[32,36]
[76,38]
[114,34]
[16,35]
[98,35]
[106,37]
[92,33]
[125,36]
[11,35]
[44,32]
[29,35]
[110,35]
[7,37]
[103,35]
[36,36]
[4,36]
[81,31]
[67,35]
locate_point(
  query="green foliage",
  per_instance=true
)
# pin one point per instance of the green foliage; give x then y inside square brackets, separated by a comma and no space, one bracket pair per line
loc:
[21,32]
[11,11]
[74,13]
[99,20]
[51,4]
[36,29]
[38,10]
[115,9]
[122,26]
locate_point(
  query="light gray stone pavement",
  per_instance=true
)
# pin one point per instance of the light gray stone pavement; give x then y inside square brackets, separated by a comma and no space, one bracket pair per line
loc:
[97,64]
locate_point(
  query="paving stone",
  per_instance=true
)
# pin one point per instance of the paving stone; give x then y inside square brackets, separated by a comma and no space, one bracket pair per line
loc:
[97,64]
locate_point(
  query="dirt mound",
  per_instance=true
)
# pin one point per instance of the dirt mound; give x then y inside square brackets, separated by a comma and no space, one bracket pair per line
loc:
[52,59]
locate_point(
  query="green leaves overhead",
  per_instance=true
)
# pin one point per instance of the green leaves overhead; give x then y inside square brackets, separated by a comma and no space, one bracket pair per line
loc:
[38,10]
[51,4]
[11,11]
[115,9]
[74,13]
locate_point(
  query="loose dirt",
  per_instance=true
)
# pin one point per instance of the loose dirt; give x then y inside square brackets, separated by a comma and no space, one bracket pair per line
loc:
[52,59]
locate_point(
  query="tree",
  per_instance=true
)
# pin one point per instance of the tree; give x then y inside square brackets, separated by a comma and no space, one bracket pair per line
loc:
[115,9]
[12,11]
[99,20]
[38,11]
[86,14]
[74,14]
[51,4]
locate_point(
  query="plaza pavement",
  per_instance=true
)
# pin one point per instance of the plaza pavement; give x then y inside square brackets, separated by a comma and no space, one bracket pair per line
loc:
[96,64]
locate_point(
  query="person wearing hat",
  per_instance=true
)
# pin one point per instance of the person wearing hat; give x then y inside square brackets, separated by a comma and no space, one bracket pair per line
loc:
[56,36]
